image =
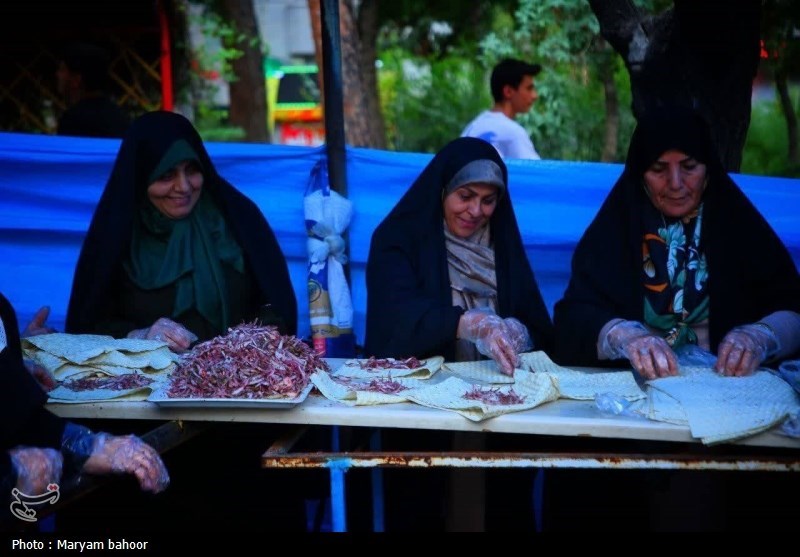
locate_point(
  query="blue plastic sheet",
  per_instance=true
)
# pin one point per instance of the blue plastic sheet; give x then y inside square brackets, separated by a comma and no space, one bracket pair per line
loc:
[50,185]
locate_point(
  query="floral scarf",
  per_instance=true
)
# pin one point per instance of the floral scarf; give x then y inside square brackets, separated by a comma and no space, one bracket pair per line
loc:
[675,275]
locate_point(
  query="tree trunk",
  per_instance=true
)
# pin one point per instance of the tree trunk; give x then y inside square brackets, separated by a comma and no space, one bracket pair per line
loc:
[179,29]
[789,114]
[360,129]
[248,94]
[610,141]
[368,32]
[316,32]
[701,53]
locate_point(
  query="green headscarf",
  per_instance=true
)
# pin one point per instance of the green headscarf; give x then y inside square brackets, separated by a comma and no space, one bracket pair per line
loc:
[187,252]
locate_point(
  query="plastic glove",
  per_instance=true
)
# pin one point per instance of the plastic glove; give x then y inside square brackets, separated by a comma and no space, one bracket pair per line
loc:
[175,335]
[43,377]
[36,468]
[518,335]
[491,337]
[744,348]
[650,355]
[127,455]
[38,325]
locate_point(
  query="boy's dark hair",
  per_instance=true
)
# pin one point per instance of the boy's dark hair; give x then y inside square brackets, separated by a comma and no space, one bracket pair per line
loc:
[91,62]
[510,72]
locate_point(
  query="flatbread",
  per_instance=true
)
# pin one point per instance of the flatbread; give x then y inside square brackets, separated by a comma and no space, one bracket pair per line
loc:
[63,355]
[80,349]
[351,395]
[63,394]
[429,367]
[663,408]
[583,385]
[449,395]
[486,371]
[538,362]
[69,372]
[723,408]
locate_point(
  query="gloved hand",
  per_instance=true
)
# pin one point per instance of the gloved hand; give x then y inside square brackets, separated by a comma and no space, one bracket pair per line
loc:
[127,454]
[43,377]
[518,335]
[744,348]
[650,355]
[177,337]
[491,337]
[38,325]
[36,468]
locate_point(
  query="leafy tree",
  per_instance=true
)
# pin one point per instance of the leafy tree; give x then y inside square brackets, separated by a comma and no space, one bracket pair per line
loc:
[428,101]
[700,53]
[781,41]
[581,87]
[241,63]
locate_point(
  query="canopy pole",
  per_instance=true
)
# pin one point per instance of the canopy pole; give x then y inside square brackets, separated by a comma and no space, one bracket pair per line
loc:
[333,95]
[167,100]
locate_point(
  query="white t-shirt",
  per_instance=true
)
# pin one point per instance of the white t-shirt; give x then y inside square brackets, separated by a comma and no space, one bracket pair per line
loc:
[508,137]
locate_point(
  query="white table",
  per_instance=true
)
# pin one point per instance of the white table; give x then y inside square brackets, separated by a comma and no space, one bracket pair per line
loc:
[561,417]
[567,418]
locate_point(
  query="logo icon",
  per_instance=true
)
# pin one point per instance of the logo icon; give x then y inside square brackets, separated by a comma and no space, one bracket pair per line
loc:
[21,501]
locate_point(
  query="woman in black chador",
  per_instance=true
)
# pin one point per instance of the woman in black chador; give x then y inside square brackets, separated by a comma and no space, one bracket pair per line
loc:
[174,252]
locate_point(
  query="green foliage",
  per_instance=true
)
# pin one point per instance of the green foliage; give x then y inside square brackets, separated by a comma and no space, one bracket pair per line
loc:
[427,102]
[222,45]
[429,97]
[568,120]
[765,151]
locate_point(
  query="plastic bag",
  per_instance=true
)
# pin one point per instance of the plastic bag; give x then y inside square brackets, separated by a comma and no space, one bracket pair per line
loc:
[693,355]
[327,216]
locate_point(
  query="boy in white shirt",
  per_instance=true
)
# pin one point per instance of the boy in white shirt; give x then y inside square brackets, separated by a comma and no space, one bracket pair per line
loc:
[514,93]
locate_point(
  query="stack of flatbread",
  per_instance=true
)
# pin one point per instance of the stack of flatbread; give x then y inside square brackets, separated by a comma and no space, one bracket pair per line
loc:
[105,366]
[719,408]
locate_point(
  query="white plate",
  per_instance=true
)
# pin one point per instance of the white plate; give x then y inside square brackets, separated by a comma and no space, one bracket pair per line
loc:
[160,397]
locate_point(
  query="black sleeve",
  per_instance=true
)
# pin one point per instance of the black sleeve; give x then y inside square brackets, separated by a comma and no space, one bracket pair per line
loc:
[403,319]
[578,318]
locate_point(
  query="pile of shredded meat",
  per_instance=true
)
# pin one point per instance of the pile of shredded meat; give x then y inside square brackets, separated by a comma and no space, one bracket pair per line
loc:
[373,363]
[116,383]
[493,396]
[251,361]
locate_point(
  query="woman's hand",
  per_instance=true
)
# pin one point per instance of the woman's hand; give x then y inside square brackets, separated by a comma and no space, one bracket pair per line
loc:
[128,455]
[38,325]
[496,345]
[177,337]
[518,335]
[491,337]
[650,355]
[743,349]
[36,468]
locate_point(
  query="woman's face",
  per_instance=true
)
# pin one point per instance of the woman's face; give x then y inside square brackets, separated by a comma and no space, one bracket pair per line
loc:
[675,182]
[175,193]
[468,208]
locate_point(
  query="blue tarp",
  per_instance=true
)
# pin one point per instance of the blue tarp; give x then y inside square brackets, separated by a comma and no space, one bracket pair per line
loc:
[50,185]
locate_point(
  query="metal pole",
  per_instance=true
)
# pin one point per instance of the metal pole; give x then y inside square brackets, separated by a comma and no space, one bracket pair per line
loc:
[333,95]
